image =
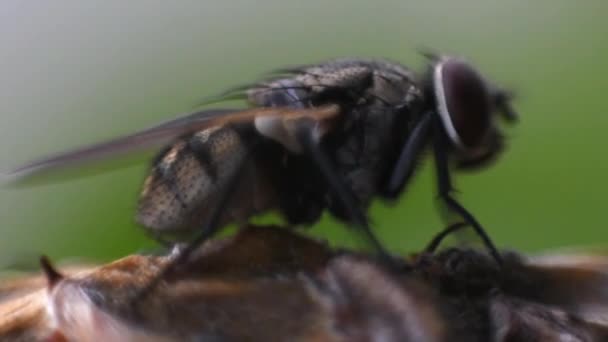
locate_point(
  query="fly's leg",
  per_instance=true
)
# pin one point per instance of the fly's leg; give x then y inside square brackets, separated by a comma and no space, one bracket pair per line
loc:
[438,238]
[305,134]
[445,189]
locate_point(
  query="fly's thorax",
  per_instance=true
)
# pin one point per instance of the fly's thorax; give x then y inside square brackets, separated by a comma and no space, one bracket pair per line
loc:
[365,151]
[341,81]
[312,86]
[377,100]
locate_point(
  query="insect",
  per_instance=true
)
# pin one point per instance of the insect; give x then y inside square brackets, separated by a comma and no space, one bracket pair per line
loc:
[272,284]
[544,298]
[332,136]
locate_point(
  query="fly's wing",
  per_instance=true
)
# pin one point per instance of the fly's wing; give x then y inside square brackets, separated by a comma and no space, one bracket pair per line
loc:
[556,297]
[513,319]
[576,283]
[148,138]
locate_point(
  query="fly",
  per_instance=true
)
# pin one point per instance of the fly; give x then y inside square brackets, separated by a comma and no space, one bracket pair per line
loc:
[331,136]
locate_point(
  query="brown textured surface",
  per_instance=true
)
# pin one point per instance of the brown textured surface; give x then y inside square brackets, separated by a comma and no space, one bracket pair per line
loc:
[269,284]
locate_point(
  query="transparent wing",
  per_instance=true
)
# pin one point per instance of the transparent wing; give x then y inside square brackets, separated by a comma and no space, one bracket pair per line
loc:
[577,283]
[142,140]
[146,139]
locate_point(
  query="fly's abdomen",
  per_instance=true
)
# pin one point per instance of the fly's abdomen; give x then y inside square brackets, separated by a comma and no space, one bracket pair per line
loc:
[184,183]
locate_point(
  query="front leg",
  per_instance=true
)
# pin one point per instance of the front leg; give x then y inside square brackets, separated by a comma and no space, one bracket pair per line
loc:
[305,132]
[410,153]
[440,145]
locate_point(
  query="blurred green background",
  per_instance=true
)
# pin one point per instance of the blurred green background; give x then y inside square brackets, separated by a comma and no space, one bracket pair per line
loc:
[77,72]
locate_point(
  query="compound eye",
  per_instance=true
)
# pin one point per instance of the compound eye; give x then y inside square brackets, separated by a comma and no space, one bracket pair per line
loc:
[463,102]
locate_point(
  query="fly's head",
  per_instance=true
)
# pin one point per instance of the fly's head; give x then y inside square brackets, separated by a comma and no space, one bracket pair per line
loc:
[466,104]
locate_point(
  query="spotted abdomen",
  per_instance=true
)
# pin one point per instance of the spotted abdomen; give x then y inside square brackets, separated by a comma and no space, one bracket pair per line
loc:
[188,177]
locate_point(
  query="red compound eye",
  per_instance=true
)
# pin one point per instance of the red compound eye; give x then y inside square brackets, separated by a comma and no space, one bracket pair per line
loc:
[463,102]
